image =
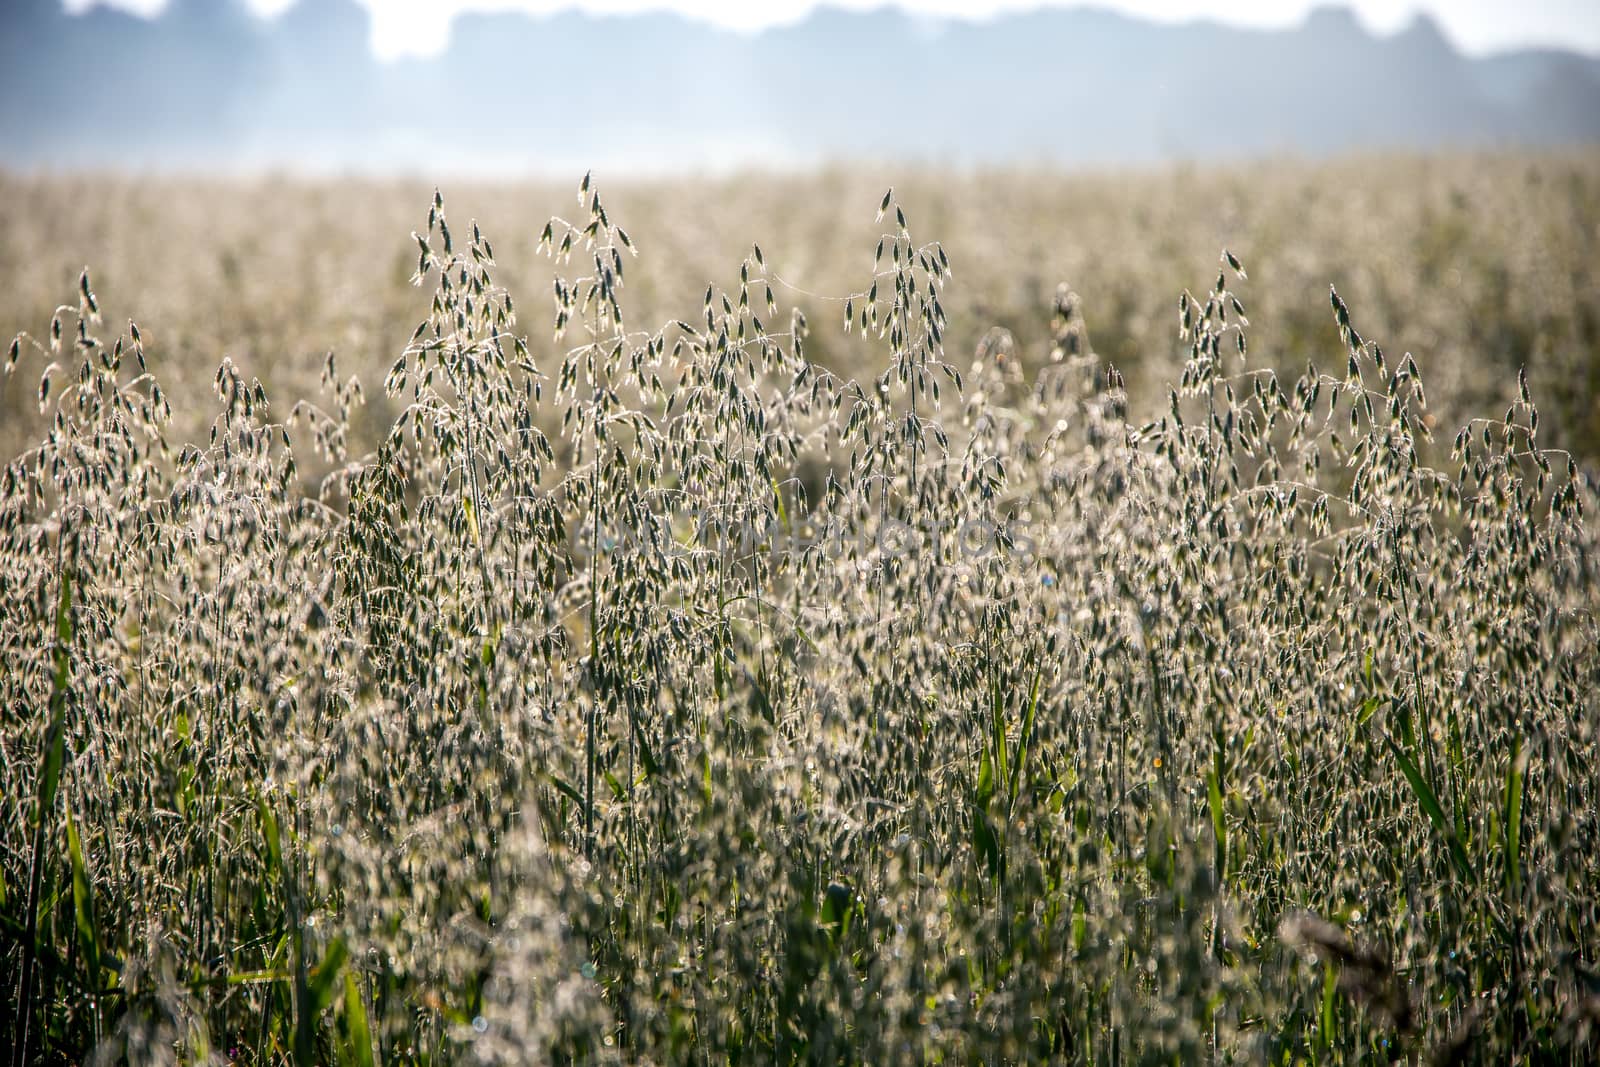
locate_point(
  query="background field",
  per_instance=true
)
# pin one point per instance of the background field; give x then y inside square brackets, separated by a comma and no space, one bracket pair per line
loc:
[1030,672]
[1477,264]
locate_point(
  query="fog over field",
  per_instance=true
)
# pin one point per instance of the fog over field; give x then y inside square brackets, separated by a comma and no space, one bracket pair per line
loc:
[208,85]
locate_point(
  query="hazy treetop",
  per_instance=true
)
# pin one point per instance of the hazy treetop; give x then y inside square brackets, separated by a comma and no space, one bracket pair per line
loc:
[209,85]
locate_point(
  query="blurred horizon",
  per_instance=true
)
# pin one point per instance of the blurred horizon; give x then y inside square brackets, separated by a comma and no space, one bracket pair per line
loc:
[244,86]
[421,28]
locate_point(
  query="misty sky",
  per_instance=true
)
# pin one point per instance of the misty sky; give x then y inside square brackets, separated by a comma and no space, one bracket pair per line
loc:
[420,27]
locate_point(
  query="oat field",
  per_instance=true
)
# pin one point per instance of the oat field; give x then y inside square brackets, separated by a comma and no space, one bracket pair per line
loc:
[1013,618]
